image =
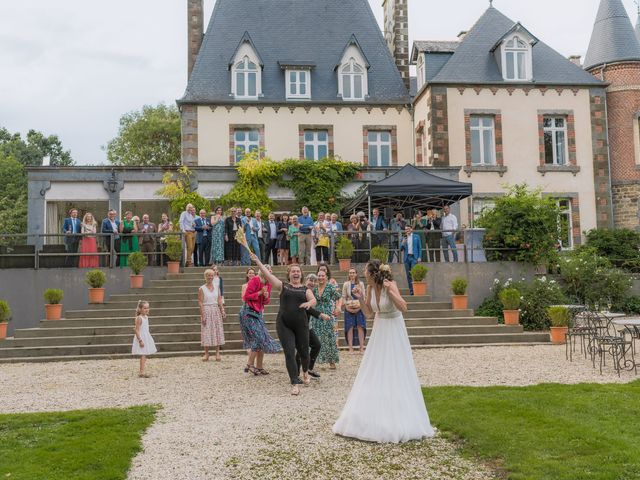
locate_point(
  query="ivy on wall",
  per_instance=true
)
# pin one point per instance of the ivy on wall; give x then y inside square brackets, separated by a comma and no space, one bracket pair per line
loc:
[177,188]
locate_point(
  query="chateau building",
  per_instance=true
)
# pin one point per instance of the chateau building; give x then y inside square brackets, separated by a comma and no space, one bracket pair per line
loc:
[315,78]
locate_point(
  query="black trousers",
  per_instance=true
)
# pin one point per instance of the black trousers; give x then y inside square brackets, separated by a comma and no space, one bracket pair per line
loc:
[315,345]
[204,252]
[271,251]
[294,336]
[232,250]
[322,254]
[71,245]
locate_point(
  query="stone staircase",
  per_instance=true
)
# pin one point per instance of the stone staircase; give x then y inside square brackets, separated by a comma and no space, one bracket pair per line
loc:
[106,331]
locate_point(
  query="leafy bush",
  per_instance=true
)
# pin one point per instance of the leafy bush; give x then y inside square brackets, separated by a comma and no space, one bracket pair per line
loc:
[559,316]
[459,286]
[137,261]
[621,247]
[523,227]
[419,272]
[179,204]
[537,296]
[96,278]
[5,311]
[491,307]
[630,305]
[380,253]
[173,249]
[589,278]
[53,296]
[344,248]
[510,298]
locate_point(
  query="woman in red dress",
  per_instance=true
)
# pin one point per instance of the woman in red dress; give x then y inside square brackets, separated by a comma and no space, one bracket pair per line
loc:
[88,244]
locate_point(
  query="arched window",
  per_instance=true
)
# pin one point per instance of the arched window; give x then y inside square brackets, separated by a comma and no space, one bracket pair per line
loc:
[516,59]
[247,78]
[420,70]
[352,79]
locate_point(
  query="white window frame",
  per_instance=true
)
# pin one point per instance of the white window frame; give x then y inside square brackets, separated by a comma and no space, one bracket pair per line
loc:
[351,76]
[352,56]
[481,129]
[565,212]
[315,143]
[297,83]
[553,130]
[247,144]
[378,144]
[420,72]
[244,55]
[519,76]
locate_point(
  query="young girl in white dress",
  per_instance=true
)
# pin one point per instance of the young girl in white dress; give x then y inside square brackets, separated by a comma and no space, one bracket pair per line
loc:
[385,403]
[143,343]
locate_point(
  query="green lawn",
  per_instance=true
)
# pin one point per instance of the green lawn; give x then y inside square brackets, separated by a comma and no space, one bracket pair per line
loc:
[78,445]
[572,432]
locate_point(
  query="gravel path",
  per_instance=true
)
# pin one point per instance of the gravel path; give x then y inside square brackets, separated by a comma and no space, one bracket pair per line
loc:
[219,423]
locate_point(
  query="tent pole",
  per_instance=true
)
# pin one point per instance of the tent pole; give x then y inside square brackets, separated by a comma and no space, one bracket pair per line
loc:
[371,229]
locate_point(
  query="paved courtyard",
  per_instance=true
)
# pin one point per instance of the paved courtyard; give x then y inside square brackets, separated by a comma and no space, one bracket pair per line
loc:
[217,422]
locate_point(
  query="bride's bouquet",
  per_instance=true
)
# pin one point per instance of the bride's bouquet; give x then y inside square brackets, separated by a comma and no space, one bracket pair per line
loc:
[241,238]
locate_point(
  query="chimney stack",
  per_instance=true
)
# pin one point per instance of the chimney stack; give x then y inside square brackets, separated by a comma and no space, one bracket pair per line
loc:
[576,60]
[195,30]
[396,33]
[462,34]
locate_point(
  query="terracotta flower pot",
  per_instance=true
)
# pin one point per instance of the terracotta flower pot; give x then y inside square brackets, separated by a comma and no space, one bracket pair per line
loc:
[173,267]
[559,335]
[96,295]
[345,264]
[137,281]
[3,330]
[53,311]
[511,317]
[419,288]
[460,302]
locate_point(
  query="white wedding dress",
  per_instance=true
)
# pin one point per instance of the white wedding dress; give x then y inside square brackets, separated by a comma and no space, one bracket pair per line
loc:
[385,403]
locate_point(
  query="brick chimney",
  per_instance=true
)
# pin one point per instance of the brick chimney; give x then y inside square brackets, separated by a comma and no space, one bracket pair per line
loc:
[195,30]
[576,60]
[396,33]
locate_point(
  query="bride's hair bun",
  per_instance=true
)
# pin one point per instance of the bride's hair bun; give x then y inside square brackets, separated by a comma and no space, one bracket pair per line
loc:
[379,271]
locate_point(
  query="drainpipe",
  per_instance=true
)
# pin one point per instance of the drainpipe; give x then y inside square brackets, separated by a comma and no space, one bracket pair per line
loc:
[412,110]
[606,116]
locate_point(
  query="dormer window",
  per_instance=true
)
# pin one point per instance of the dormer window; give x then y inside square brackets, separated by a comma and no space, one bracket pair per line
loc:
[516,62]
[298,84]
[420,70]
[246,71]
[352,73]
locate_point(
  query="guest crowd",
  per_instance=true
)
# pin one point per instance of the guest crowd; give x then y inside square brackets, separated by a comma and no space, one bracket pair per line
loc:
[210,238]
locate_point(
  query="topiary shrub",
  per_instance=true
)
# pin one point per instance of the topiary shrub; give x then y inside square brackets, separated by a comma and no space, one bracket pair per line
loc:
[53,296]
[459,286]
[95,278]
[559,316]
[137,262]
[510,299]
[174,249]
[380,253]
[419,272]
[344,248]
[5,311]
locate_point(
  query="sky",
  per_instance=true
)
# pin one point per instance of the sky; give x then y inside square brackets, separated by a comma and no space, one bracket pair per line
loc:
[73,67]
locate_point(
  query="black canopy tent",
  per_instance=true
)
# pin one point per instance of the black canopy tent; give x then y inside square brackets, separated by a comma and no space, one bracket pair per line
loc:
[410,188]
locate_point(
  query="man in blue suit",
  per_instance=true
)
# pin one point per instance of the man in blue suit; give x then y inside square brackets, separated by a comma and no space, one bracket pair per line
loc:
[111,229]
[412,247]
[202,226]
[72,228]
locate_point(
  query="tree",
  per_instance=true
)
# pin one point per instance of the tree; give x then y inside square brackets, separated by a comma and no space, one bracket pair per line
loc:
[30,152]
[524,226]
[150,137]
[13,196]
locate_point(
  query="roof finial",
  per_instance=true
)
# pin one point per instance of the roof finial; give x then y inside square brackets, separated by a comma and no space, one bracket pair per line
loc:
[490,3]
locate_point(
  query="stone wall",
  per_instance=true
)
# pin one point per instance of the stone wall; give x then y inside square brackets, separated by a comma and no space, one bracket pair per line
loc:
[625,204]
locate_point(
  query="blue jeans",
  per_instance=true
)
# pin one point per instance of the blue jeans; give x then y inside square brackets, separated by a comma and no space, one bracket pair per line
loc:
[409,262]
[449,241]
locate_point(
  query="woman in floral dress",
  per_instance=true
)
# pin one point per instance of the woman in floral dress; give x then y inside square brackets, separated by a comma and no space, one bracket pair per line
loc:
[212,314]
[217,237]
[293,234]
[327,296]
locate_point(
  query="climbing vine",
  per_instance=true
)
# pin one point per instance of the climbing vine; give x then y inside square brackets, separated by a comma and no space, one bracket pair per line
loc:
[177,188]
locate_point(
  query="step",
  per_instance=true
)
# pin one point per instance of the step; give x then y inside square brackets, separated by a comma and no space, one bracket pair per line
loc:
[493,338]
[141,292]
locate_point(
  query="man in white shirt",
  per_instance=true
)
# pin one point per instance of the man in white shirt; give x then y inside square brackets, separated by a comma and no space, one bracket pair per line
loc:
[187,227]
[449,225]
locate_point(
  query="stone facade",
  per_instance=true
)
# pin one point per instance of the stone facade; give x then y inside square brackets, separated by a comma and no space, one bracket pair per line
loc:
[438,131]
[396,25]
[601,162]
[189,118]
[195,25]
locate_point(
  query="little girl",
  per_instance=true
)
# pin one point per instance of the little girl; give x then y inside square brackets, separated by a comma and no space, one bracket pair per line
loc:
[143,343]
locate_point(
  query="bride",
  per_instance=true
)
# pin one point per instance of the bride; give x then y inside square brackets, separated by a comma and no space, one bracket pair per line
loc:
[385,403]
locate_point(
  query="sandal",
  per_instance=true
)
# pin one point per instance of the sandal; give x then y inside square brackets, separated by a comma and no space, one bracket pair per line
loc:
[205,358]
[295,390]
[252,369]
[262,371]
[306,379]
[144,375]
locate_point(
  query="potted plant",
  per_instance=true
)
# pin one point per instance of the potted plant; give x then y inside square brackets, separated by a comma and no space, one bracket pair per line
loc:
[5,316]
[53,307]
[380,253]
[173,250]
[510,299]
[96,280]
[459,299]
[559,324]
[137,262]
[344,251]
[418,275]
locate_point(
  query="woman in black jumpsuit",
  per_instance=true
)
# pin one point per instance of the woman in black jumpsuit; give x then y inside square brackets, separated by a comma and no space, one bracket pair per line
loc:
[292,323]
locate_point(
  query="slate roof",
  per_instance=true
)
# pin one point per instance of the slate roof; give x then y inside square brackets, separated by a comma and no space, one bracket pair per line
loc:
[302,31]
[613,38]
[474,63]
[433,46]
[638,27]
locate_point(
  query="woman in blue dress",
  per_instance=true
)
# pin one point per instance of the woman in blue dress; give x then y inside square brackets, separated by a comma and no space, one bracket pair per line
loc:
[328,300]
[354,319]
